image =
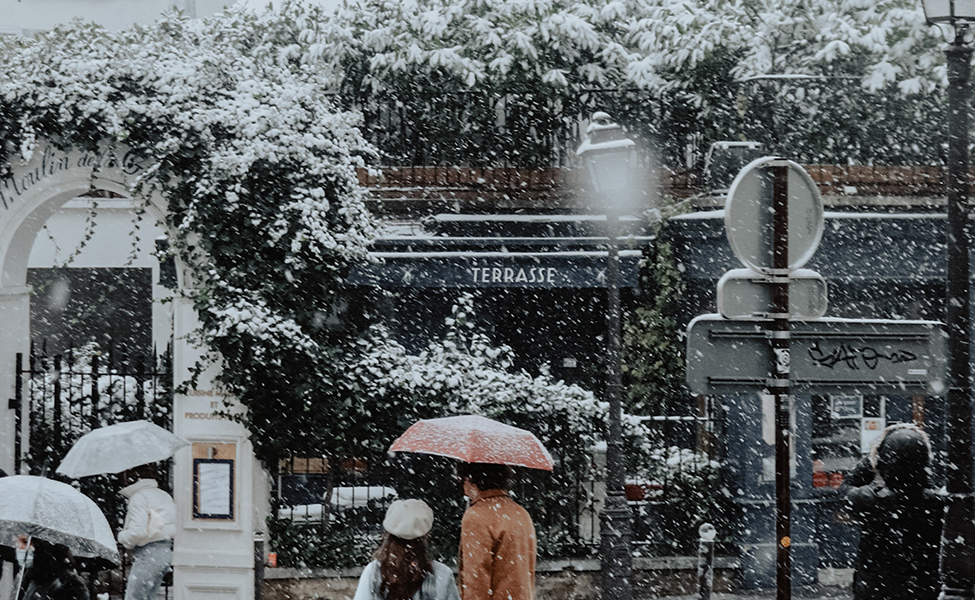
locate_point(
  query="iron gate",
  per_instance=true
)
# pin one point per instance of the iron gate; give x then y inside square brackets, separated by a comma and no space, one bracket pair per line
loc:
[60,398]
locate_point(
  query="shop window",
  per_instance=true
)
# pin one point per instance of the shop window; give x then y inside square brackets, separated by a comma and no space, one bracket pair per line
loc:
[843,429]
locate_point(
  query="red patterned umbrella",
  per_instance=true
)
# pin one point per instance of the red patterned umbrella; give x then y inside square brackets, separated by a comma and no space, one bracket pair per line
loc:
[475,439]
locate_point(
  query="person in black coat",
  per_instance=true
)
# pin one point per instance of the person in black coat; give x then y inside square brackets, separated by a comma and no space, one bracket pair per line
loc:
[52,575]
[900,519]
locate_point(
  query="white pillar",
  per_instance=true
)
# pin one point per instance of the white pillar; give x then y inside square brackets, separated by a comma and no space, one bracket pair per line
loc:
[214,484]
[15,333]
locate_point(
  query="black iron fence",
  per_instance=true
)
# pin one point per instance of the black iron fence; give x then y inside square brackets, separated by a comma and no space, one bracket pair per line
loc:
[330,515]
[679,487]
[524,129]
[60,398]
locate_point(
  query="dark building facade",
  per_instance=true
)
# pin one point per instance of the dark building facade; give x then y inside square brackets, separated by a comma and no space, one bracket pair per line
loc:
[538,283]
[878,266]
[536,267]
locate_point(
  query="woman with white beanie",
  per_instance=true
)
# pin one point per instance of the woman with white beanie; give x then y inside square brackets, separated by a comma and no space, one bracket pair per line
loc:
[400,569]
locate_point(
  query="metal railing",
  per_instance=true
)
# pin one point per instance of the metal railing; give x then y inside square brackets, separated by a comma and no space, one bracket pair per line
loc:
[522,129]
[68,395]
[60,398]
[670,501]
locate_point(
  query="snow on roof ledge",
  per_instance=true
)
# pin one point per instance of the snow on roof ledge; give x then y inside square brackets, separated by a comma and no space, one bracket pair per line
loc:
[719,214]
[513,218]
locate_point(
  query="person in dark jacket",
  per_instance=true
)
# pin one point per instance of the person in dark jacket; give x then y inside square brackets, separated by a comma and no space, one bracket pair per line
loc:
[52,575]
[900,519]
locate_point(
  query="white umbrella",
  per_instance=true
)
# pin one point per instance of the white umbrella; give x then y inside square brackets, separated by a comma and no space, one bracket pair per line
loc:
[118,447]
[54,512]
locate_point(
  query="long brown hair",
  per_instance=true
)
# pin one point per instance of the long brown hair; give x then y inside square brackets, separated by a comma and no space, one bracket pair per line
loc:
[403,565]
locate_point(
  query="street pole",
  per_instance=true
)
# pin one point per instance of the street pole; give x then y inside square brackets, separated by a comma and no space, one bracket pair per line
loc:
[705,566]
[609,157]
[780,386]
[615,530]
[958,537]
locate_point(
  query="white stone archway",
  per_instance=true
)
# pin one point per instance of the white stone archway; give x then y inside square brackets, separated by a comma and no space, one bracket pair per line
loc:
[220,490]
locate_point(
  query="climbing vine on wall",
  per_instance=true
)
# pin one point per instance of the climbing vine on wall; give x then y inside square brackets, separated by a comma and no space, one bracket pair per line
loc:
[256,167]
[653,340]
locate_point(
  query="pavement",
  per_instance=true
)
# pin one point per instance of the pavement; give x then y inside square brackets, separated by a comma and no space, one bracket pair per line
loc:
[814,592]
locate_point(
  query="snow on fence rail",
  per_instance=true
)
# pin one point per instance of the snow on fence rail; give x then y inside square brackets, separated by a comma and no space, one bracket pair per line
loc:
[668,498]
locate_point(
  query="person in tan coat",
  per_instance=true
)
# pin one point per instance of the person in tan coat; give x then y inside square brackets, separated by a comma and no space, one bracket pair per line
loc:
[497,538]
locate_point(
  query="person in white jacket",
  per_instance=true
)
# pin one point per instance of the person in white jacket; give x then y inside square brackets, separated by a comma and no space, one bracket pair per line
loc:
[400,569]
[148,531]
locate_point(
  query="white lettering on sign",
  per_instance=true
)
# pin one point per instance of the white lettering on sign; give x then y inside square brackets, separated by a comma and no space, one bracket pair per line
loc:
[540,275]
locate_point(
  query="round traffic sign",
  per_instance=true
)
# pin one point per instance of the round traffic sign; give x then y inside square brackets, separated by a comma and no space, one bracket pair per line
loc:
[749,211]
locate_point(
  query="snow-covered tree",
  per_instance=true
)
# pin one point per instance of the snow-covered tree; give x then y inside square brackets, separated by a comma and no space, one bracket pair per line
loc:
[255,162]
[824,81]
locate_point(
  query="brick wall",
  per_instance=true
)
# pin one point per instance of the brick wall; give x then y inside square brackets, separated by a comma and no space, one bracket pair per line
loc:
[413,190]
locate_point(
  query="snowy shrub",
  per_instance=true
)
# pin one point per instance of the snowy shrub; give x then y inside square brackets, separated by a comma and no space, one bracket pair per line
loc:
[465,373]
[680,489]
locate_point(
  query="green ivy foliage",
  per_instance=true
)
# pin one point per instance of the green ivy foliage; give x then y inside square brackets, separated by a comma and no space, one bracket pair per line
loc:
[653,341]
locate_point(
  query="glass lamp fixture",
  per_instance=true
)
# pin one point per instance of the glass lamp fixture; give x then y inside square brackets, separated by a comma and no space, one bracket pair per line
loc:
[608,154]
[952,12]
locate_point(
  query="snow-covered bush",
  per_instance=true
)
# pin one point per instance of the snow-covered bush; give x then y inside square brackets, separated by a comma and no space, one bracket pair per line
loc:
[255,163]
[465,373]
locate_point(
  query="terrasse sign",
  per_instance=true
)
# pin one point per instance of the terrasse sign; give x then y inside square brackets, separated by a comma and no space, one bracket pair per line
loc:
[514,275]
[49,162]
[499,270]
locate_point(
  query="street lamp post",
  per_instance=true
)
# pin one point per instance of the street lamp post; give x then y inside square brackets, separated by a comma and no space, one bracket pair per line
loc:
[958,537]
[607,155]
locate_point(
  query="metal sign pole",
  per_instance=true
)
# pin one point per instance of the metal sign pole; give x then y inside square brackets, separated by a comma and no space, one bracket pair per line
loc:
[867,356]
[779,385]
